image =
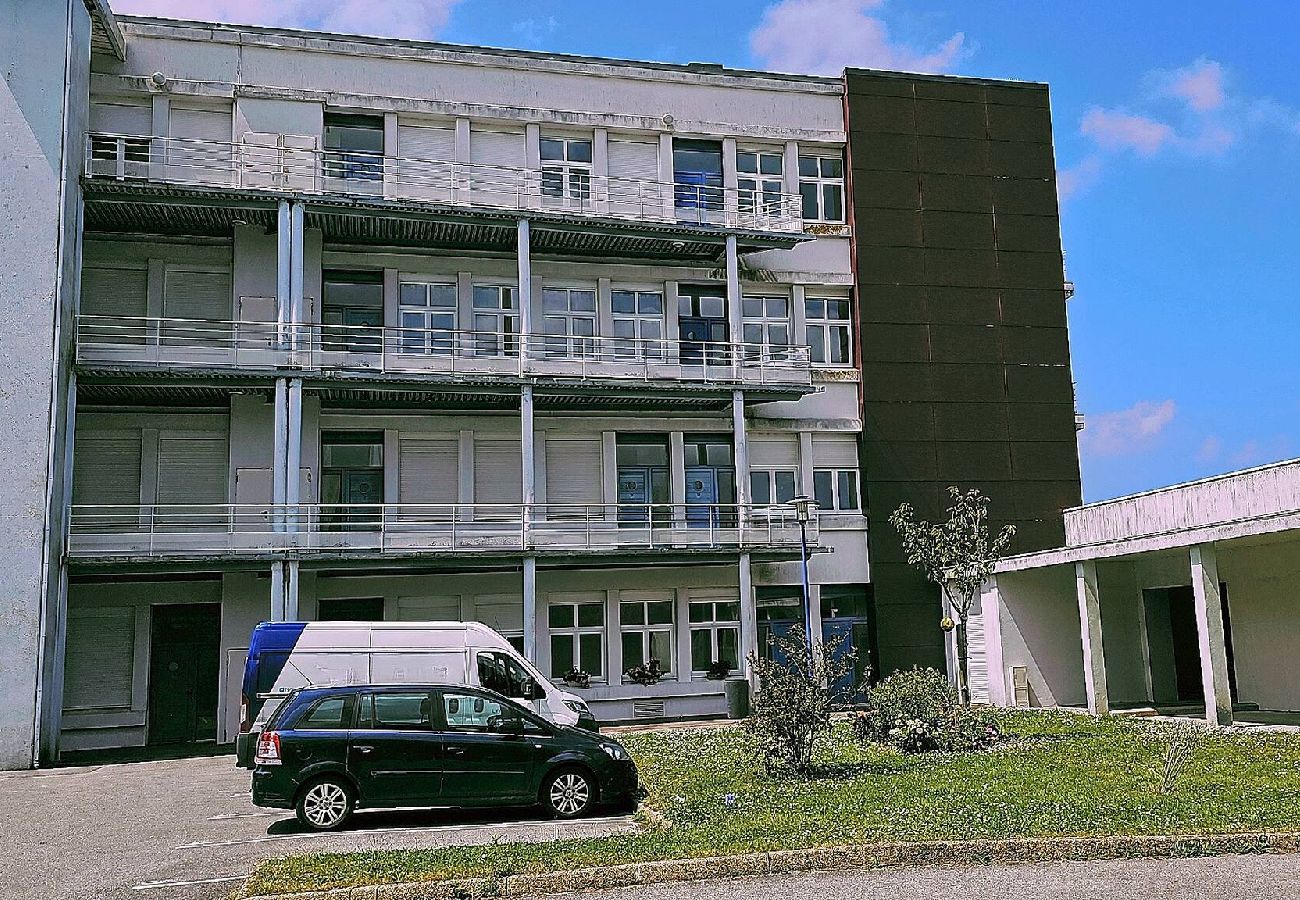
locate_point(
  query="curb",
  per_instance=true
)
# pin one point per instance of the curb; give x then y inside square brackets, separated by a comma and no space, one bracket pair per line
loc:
[820,859]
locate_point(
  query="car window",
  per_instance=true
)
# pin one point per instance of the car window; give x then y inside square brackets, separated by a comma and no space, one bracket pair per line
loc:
[471,712]
[330,712]
[397,711]
[499,672]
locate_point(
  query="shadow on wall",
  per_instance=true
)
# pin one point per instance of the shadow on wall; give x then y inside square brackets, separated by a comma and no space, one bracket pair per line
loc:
[1040,631]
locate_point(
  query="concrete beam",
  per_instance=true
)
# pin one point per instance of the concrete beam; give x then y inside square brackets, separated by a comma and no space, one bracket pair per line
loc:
[1210,636]
[1094,659]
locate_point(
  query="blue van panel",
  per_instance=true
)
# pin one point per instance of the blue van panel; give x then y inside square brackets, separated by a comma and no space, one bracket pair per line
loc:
[268,651]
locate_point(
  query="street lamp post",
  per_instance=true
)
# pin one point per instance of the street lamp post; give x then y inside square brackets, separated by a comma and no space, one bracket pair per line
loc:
[803,507]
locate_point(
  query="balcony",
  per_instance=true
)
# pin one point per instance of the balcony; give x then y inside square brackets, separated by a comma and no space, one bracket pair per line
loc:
[123,342]
[303,531]
[278,167]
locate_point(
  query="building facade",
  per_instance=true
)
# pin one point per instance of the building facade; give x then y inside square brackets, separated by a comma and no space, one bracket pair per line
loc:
[364,329]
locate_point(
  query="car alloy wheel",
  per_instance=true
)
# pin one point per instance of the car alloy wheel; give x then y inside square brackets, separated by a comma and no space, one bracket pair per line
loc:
[570,794]
[325,805]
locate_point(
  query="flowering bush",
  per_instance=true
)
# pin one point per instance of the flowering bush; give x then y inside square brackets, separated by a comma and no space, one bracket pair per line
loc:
[575,677]
[918,711]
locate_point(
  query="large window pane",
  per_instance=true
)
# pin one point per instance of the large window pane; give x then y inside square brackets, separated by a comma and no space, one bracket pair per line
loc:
[824,489]
[701,649]
[592,658]
[561,655]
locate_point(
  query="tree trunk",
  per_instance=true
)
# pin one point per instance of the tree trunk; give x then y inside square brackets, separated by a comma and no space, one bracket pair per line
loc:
[963,687]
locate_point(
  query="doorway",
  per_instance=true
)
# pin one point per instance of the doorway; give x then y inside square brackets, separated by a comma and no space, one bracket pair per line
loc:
[702,325]
[643,488]
[1174,644]
[184,667]
[710,481]
[352,311]
[352,480]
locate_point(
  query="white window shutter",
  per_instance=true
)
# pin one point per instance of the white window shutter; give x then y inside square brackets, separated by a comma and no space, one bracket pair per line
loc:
[428,470]
[114,292]
[774,452]
[573,471]
[835,451]
[498,471]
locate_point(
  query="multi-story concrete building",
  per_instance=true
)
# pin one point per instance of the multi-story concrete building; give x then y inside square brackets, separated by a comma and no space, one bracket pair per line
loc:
[347,328]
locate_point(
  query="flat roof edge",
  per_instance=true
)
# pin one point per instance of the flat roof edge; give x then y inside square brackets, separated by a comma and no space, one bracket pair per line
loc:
[1209,479]
[959,79]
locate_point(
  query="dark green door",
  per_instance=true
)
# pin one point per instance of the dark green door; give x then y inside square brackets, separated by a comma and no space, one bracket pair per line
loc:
[184,665]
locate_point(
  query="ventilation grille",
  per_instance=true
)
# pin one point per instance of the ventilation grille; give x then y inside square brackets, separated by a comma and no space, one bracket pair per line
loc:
[647,709]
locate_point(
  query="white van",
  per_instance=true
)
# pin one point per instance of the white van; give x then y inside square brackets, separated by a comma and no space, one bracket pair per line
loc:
[285,656]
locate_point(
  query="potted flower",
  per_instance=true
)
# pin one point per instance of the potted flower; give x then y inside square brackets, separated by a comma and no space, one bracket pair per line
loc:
[647,674]
[719,670]
[575,677]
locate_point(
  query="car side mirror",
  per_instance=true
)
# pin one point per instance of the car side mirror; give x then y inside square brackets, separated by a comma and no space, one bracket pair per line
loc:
[533,690]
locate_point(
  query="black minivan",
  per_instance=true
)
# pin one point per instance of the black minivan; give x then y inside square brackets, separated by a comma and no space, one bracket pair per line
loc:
[330,750]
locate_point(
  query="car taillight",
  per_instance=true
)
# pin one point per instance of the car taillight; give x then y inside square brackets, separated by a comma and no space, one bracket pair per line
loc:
[268,749]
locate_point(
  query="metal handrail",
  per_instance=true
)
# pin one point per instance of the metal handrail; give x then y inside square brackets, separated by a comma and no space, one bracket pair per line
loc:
[311,170]
[394,349]
[172,529]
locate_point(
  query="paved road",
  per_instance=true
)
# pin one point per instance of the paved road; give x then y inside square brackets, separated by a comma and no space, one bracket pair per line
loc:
[147,831]
[1213,878]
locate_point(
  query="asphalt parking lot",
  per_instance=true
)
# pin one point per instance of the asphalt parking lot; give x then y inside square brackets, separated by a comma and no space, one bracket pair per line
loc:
[186,828]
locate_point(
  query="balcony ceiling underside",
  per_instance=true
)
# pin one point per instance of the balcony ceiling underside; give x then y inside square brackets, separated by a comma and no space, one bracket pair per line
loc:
[156,387]
[113,206]
[358,562]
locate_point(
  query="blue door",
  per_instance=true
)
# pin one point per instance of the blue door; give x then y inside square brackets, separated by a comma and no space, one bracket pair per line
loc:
[701,496]
[633,495]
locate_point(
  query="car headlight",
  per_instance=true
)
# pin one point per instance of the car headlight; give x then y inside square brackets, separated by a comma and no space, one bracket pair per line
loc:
[578,707]
[615,751]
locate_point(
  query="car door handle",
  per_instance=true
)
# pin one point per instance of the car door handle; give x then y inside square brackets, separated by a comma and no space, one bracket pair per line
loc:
[455,751]
[365,748]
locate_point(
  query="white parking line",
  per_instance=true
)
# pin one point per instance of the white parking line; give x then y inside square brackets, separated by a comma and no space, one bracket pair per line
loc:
[156,885]
[308,835]
[253,815]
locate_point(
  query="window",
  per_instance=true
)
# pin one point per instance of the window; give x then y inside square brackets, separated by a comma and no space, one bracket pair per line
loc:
[829,331]
[638,325]
[496,320]
[569,322]
[427,314]
[352,310]
[836,489]
[759,182]
[499,672]
[354,147]
[566,169]
[715,635]
[647,630]
[331,713]
[766,328]
[644,492]
[397,712]
[769,486]
[697,171]
[472,712]
[577,638]
[821,188]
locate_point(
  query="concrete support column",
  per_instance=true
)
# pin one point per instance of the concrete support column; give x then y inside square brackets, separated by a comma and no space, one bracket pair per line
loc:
[740,440]
[748,621]
[530,608]
[283,265]
[1210,636]
[525,292]
[527,454]
[1094,661]
[735,318]
[991,622]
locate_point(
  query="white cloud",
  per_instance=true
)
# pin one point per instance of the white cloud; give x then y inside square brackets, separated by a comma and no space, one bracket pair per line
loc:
[1210,450]
[1078,178]
[1115,130]
[821,37]
[1199,85]
[534,31]
[1126,431]
[421,19]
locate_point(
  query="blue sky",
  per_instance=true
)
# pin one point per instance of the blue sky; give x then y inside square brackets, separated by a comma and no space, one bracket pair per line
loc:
[1177,133]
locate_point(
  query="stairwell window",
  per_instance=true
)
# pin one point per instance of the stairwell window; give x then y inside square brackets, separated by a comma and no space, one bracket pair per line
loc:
[829,330]
[566,169]
[427,315]
[577,638]
[496,320]
[647,633]
[821,188]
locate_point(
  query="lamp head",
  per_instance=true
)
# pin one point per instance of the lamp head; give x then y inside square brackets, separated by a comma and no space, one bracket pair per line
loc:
[803,507]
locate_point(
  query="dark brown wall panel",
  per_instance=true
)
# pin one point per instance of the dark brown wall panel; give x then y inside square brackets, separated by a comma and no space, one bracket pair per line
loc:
[965,354]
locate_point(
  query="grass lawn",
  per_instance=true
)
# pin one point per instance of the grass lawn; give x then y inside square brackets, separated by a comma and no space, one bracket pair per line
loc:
[1056,774]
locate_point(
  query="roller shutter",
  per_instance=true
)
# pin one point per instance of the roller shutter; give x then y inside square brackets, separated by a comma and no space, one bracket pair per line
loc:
[201,150]
[428,470]
[99,659]
[426,161]
[774,451]
[113,292]
[426,142]
[200,124]
[190,294]
[634,159]
[121,118]
[106,468]
[192,469]
[573,471]
[497,148]
[498,471]
[835,451]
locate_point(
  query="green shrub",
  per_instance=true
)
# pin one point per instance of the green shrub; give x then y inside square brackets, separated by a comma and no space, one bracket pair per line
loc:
[918,711]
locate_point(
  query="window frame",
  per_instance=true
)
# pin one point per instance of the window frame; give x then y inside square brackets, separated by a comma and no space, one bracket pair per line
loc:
[751,186]
[765,349]
[567,344]
[836,493]
[503,339]
[821,181]
[575,175]
[713,625]
[770,473]
[427,339]
[827,328]
[644,629]
[575,632]
[638,346]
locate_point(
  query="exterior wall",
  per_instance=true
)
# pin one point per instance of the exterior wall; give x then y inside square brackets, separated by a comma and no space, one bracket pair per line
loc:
[1264,599]
[1040,632]
[46,48]
[965,355]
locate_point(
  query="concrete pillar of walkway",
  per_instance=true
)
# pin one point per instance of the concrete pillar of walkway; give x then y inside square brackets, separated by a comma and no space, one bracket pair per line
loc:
[1210,636]
[530,608]
[748,621]
[1094,659]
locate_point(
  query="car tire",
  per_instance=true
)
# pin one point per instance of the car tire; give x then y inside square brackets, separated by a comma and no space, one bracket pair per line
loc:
[569,793]
[325,803]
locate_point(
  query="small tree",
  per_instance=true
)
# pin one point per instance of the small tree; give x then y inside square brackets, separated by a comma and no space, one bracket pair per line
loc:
[792,708]
[957,555]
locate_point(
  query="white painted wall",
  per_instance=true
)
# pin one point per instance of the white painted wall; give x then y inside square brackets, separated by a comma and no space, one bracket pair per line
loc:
[1040,631]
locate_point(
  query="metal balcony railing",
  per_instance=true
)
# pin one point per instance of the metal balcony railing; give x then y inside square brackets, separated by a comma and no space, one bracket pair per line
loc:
[99,531]
[196,343]
[279,166]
